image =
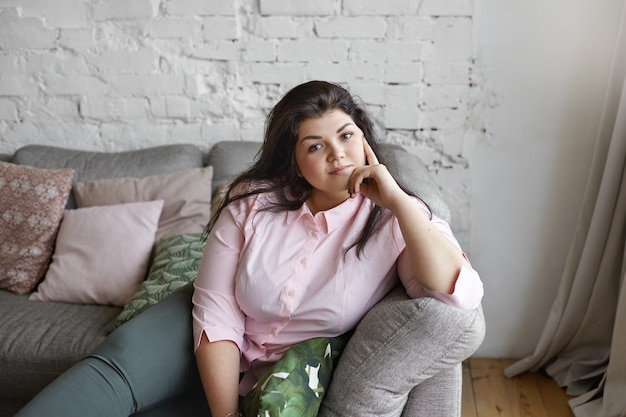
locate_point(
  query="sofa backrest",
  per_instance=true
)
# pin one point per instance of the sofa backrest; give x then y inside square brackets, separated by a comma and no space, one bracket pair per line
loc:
[90,166]
[228,158]
[413,175]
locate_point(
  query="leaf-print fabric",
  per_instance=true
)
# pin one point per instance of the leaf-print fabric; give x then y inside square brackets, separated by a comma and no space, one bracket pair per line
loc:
[175,264]
[296,384]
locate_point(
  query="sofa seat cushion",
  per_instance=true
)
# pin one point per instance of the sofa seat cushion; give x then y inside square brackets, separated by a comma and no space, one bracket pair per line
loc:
[41,340]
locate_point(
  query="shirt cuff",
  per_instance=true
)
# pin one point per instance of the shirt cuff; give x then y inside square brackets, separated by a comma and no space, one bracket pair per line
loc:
[468,291]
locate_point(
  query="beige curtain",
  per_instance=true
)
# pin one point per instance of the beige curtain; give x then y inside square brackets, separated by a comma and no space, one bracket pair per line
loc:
[583,345]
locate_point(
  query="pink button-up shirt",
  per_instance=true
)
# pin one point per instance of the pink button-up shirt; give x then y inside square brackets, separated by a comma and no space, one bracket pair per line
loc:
[269,280]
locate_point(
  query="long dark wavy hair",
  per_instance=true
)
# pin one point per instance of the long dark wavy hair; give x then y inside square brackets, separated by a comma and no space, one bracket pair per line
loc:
[275,170]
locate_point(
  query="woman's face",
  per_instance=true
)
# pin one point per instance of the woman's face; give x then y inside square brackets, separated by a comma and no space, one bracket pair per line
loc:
[328,150]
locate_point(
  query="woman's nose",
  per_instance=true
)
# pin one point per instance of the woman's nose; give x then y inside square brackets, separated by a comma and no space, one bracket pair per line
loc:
[336,152]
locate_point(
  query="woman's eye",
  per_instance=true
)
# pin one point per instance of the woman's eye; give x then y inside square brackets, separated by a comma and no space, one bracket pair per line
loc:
[315,147]
[347,135]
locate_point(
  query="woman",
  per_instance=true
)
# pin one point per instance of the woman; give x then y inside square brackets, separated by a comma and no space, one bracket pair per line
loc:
[305,243]
[308,239]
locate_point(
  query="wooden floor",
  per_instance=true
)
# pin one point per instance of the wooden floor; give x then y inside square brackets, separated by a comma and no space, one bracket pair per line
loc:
[487,393]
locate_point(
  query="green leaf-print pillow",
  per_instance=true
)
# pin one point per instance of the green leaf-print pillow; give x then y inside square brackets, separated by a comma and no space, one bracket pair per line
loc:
[296,384]
[174,265]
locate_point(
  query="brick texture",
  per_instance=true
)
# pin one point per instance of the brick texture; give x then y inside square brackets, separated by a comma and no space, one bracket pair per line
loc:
[121,74]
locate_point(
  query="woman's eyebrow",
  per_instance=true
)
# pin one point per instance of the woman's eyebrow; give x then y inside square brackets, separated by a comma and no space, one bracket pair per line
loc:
[317,137]
[344,126]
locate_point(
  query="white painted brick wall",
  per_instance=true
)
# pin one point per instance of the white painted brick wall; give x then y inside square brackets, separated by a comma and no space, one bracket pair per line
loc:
[125,74]
[78,40]
[8,110]
[125,9]
[309,50]
[199,8]
[219,28]
[446,8]
[57,14]
[299,7]
[380,8]
[17,85]
[362,27]
[282,27]
[174,28]
[17,32]
[121,109]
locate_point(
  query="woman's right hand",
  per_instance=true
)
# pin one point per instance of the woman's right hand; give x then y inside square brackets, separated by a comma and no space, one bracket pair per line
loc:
[375,182]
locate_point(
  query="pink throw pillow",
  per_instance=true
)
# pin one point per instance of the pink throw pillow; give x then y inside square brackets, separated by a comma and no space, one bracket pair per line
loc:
[186,194]
[32,201]
[102,254]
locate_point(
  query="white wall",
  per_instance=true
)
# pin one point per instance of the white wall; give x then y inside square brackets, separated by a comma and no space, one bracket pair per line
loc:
[122,74]
[542,68]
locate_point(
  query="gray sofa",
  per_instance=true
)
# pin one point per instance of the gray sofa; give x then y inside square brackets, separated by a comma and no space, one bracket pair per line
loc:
[40,340]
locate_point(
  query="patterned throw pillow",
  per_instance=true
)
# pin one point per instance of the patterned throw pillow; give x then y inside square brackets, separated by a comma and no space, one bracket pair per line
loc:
[31,206]
[296,384]
[175,264]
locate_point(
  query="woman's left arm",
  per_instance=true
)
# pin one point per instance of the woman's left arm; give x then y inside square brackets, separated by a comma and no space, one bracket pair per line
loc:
[435,260]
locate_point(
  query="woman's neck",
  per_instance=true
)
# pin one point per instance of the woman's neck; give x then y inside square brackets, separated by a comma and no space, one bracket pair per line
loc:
[321,202]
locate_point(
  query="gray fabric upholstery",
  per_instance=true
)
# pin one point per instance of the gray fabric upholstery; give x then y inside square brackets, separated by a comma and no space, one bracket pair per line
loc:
[239,156]
[443,393]
[411,173]
[399,344]
[97,165]
[45,339]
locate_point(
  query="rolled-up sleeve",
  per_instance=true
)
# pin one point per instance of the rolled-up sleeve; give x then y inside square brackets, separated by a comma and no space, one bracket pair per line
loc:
[468,287]
[215,311]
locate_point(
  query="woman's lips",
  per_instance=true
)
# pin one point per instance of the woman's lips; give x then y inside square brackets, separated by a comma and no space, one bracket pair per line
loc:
[344,169]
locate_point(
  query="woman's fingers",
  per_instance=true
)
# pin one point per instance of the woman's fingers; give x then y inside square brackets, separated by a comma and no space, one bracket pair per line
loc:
[373,180]
[360,176]
[364,175]
[369,153]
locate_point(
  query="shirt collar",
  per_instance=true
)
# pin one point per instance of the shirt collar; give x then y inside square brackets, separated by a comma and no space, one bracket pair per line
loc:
[334,217]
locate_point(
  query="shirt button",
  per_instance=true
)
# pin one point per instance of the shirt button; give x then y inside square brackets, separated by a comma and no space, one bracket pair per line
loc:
[291,293]
[303,261]
[314,234]
[273,330]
